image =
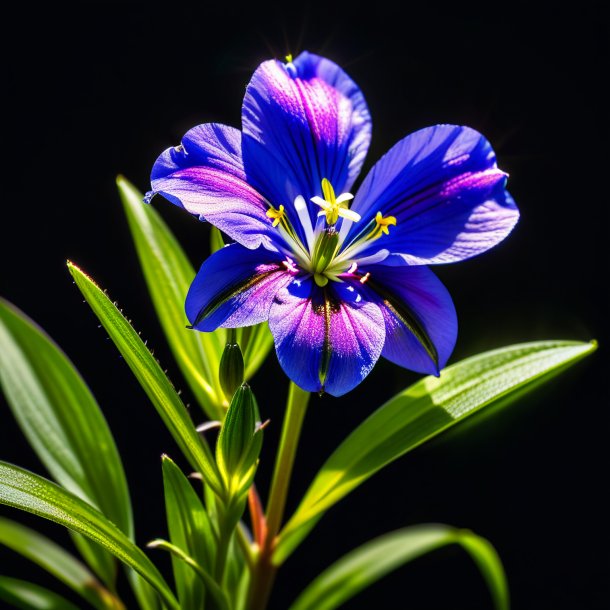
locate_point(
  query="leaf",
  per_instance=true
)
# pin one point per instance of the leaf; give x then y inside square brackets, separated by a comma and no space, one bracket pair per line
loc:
[151,377]
[216,592]
[57,561]
[101,562]
[34,494]
[28,596]
[255,341]
[63,423]
[216,240]
[190,530]
[168,274]
[421,412]
[365,565]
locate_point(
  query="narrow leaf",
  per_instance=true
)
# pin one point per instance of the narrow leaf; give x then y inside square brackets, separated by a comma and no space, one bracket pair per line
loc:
[215,591]
[216,240]
[255,341]
[57,561]
[365,565]
[168,274]
[34,494]
[63,423]
[421,412]
[151,377]
[190,530]
[28,596]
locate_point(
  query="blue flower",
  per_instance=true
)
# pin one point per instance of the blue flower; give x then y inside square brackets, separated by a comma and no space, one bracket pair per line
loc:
[342,279]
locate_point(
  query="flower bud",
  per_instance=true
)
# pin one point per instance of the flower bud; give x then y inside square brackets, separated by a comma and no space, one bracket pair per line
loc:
[231,373]
[239,442]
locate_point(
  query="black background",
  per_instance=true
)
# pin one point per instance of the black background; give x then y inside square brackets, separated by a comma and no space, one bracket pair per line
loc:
[99,90]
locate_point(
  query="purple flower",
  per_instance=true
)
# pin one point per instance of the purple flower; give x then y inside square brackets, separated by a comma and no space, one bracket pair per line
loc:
[340,284]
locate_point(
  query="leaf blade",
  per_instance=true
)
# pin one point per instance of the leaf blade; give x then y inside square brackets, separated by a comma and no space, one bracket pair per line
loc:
[368,563]
[57,561]
[168,274]
[60,417]
[28,596]
[64,425]
[151,377]
[190,530]
[421,412]
[34,494]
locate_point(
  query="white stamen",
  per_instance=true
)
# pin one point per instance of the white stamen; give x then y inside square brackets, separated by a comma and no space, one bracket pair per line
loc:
[374,258]
[301,208]
[349,214]
[343,197]
[321,202]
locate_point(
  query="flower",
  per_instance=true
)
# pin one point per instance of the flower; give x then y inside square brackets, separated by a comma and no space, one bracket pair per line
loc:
[341,278]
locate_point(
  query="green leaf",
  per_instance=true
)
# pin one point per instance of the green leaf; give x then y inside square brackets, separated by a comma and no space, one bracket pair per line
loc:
[215,591]
[101,562]
[34,494]
[370,562]
[216,240]
[57,561]
[190,530]
[168,274]
[63,423]
[28,596]
[255,342]
[151,377]
[421,412]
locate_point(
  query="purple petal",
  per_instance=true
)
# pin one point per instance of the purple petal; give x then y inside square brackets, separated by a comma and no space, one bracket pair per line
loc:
[302,122]
[326,339]
[235,287]
[420,319]
[205,176]
[446,192]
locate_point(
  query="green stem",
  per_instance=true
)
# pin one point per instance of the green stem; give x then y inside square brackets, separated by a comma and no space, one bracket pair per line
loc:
[228,517]
[264,572]
[296,406]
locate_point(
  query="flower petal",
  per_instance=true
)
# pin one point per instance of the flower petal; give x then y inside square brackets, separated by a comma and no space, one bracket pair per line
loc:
[420,319]
[326,339]
[446,192]
[205,176]
[303,121]
[235,287]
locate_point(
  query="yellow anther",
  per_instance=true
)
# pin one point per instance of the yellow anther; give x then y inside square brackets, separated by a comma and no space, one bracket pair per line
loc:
[333,206]
[289,58]
[328,191]
[365,277]
[277,215]
[384,223]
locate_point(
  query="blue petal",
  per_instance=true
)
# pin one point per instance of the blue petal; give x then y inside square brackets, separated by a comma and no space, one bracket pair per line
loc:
[327,339]
[444,188]
[302,122]
[414,299]
[235,287]
[205,176]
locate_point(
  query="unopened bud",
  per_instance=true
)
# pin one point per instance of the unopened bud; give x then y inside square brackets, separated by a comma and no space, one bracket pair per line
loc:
[231,373]
[239,441]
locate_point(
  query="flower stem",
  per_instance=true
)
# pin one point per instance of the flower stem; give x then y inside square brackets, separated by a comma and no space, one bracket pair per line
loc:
[264,571]
[296,407]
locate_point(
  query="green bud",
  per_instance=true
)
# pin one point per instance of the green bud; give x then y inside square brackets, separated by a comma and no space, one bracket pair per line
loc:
[239,442]
[231,373]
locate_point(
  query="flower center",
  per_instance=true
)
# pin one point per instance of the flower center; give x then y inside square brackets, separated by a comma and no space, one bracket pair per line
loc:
[324,254]
[334,207]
